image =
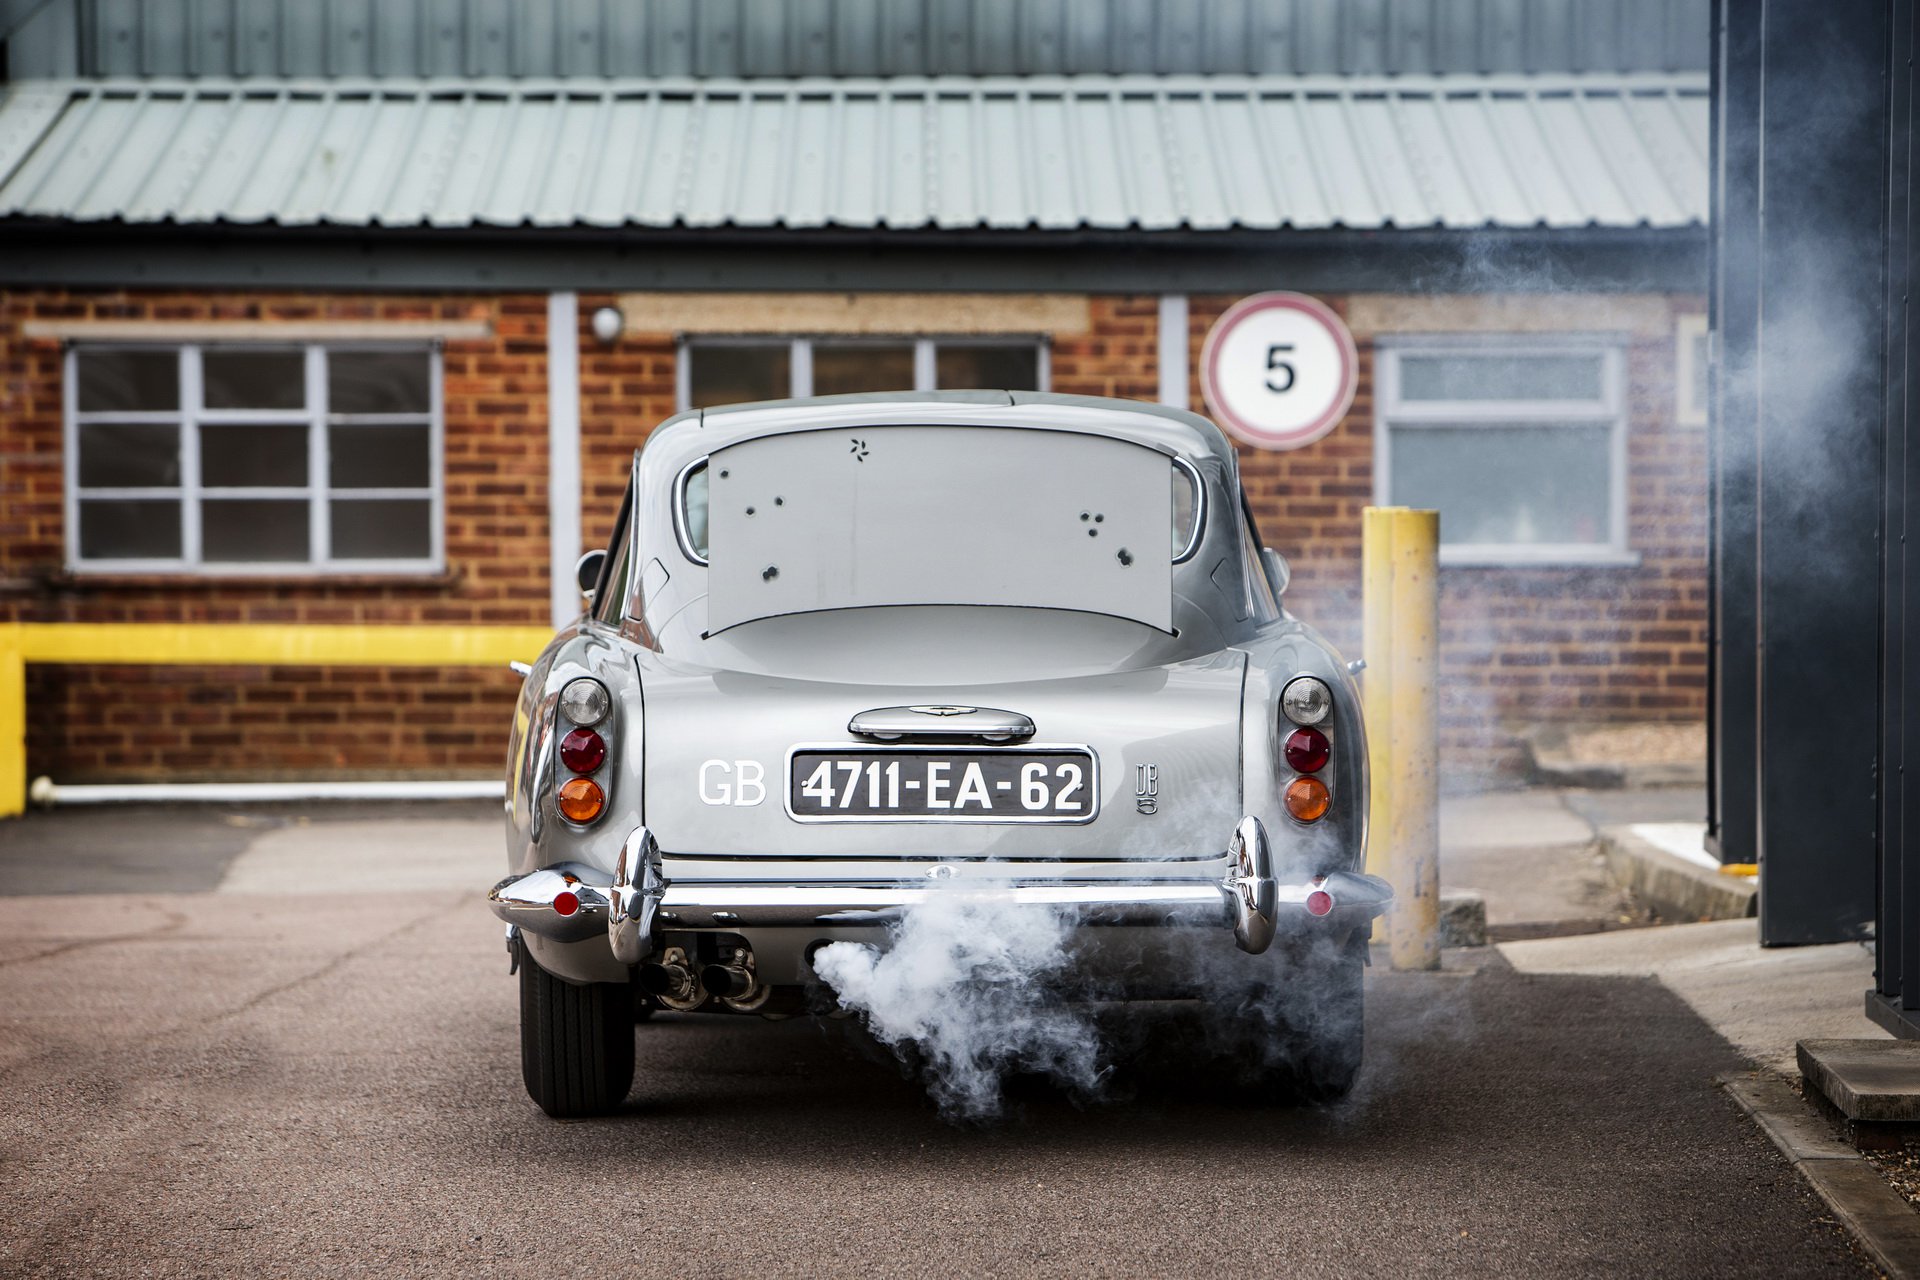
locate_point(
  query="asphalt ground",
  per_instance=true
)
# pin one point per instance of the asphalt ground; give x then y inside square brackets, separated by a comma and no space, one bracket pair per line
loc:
[241,1079]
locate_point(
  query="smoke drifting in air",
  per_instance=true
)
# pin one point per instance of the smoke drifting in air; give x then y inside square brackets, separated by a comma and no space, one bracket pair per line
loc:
[967,985]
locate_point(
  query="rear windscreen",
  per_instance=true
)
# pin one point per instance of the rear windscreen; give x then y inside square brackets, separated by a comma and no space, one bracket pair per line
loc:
[937,515]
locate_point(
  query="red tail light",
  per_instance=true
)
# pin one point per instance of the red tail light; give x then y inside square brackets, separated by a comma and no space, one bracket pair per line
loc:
[566,903]
[1319,902]
[583,750]
[1307,750]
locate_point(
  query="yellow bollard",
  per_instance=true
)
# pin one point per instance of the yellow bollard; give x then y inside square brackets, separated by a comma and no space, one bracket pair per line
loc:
[1400,639]
[13,723]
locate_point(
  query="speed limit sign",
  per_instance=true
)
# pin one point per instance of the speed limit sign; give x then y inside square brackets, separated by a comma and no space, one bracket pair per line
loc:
[1279,370]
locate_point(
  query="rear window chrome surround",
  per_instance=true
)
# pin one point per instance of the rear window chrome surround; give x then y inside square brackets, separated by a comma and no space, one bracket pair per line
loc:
[681,532]
[1199,510]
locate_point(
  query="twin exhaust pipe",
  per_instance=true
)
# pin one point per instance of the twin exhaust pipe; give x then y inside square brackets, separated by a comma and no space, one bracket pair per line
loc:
[676,981]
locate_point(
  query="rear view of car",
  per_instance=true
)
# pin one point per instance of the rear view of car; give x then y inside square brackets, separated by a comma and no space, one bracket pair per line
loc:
[851,656]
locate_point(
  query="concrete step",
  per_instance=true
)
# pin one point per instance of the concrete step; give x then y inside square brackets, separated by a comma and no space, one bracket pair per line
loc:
[1873,1084]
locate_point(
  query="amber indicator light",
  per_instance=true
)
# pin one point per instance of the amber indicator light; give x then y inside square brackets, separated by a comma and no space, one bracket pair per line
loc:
[1307,799]
[581,800]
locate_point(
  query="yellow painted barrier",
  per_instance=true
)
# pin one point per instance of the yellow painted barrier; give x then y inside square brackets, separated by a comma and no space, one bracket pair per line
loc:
[1400,629]
[218,644]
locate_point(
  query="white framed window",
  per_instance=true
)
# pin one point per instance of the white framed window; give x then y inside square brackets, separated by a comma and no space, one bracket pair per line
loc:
[1519,443]
[1690,359]
[254,459]
[730,370]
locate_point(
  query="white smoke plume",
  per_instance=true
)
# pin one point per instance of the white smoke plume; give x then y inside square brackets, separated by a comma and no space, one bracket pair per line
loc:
[964,987]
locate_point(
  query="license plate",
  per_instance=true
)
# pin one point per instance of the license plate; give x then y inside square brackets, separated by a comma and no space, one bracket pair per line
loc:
[942,784]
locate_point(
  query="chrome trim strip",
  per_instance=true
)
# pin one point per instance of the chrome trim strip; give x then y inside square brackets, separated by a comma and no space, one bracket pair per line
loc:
[634,896]
[1199,510]
[1024,749]
[527,901]
[1251,887]
[990,724]
[681,534]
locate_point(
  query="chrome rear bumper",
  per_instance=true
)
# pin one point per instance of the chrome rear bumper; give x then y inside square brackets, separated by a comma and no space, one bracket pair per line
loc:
[1238,891]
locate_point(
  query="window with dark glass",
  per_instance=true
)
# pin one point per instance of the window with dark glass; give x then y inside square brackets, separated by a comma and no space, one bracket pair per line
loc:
[211,458]
[726,370]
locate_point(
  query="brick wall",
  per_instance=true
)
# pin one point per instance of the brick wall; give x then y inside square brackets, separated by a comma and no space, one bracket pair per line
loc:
[89,723]
[626,389]
[1520,646]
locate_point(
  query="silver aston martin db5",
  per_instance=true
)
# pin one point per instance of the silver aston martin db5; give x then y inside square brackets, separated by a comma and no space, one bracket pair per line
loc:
[846,655]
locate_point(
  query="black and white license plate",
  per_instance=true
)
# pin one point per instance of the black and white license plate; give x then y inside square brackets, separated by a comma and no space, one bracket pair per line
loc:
[942,784]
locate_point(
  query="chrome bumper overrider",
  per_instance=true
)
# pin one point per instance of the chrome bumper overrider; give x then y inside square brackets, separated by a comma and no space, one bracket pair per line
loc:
[639,897]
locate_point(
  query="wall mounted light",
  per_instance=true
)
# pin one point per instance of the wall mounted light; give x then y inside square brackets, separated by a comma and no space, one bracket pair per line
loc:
[607,324]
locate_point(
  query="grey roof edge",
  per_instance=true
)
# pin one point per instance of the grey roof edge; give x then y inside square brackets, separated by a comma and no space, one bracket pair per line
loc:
[1145,82]
[1523,260]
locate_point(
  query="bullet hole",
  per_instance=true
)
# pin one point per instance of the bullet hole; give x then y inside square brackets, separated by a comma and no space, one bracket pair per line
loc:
[1125,557]
[723,473]
[1099,518]
[769,573]
[1093,533]
[779,502]
[749,510]
[1084,515]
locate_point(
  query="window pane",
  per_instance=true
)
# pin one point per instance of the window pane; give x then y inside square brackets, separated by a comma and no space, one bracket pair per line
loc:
[114,454]
[253,379]
[842,368]
[1014,367]
[734,375]
[382,529]
[133,380]
[234,456]
[1490,376]
[379,382]
[253,529]
[1697,370]
[380,457]
[1512,485]
[141,529]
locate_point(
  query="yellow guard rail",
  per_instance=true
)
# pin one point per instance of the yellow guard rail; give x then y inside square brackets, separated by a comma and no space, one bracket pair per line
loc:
[219,644]
[1400,639]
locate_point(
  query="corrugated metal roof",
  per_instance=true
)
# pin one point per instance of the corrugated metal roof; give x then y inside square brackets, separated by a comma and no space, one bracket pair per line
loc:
[780,38]
[1146,153]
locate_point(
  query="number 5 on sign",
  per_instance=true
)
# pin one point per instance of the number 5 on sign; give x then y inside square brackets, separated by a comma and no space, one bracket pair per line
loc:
[1279,370]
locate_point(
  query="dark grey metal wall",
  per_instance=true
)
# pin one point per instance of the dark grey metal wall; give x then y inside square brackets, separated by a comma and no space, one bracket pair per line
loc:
[1800,294]
[851,37]
[1895,998]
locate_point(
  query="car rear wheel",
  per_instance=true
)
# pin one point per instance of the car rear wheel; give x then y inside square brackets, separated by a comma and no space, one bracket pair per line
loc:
[1299,1037]
[1329,1046]
[576,1042]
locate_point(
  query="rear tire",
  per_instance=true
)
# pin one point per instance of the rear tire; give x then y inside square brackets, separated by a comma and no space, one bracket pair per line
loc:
[1302,1037]
[576,1042]
[1329,1051]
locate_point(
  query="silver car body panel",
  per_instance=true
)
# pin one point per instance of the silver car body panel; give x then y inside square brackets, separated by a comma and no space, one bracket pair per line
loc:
[1182,717]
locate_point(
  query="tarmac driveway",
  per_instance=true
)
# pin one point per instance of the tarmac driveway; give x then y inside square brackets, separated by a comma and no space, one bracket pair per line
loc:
[247,1079]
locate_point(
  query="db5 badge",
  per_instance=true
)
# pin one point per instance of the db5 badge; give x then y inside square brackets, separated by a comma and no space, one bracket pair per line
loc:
[1146,788]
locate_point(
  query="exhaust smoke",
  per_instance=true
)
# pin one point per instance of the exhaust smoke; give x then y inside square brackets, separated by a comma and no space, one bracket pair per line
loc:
[966,988]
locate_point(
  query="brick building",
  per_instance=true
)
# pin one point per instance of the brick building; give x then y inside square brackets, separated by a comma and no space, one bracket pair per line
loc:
[354,314]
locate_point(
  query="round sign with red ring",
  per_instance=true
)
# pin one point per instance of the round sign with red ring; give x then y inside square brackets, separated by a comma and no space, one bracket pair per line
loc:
[1279,370]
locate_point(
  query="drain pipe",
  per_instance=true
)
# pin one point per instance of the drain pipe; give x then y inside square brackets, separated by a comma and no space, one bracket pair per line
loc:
[48,793]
